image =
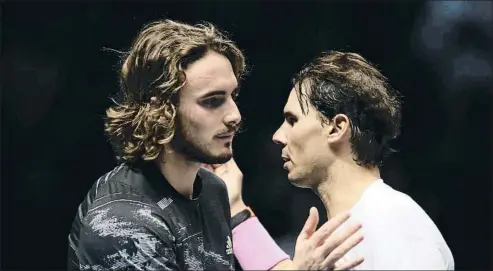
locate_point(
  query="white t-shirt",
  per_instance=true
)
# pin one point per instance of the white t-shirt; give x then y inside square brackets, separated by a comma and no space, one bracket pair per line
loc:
[398,234]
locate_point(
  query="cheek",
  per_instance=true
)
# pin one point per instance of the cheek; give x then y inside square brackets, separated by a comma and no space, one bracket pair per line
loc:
[305,143]
[198,132]
[198,122]
[297,142]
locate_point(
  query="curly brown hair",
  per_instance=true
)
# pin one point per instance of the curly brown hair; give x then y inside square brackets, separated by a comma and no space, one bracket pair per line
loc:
[346,83]
[152,74]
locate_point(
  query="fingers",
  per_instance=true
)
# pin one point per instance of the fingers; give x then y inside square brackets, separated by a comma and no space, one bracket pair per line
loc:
[341,244]
[334,242]
[349,264]
[214,167]
[329,227]
[310,224]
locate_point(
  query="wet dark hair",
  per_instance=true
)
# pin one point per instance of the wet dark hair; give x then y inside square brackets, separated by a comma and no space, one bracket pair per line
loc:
[346,83]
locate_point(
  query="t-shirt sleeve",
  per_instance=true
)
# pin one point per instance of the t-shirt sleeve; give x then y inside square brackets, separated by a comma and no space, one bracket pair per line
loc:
[125,235]
[409,241]
[401,253]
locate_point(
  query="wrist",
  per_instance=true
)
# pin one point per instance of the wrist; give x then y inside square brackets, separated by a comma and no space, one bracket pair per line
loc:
[241,217]
[237,207]
[255,249]
[286,264]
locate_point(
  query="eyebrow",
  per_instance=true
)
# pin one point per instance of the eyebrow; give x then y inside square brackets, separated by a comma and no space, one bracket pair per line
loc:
[213,93]
[217,92]
[289,114]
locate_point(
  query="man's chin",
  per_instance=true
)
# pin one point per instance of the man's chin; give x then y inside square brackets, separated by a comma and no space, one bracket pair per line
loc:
[206,155]
[217,159]
[298,182]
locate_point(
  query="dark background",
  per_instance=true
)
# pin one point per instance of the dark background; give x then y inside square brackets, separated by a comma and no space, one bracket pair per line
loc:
[56,80]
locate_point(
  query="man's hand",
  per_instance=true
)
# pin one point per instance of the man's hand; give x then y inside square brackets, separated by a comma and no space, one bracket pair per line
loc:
[323,249]
[233,177]
[315,249]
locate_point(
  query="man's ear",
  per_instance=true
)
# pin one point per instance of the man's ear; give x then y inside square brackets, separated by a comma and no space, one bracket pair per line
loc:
[338,127]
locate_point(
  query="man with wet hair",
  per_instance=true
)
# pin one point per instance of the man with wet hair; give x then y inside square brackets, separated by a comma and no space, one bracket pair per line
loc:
[338,121]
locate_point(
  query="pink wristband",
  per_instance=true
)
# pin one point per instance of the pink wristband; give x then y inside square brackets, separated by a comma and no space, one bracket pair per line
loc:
[254,248]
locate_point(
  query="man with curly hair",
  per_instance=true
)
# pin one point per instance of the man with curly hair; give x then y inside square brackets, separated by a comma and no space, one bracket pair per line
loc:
[159,208]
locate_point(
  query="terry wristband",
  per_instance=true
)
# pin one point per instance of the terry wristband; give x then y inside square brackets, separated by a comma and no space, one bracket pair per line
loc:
[254,247]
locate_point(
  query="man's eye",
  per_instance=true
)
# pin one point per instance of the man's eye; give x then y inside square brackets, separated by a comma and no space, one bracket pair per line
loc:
[213,102]
[291,120]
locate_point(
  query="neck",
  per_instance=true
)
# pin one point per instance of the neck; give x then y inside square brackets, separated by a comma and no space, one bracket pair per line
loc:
[179,171]
[344,185]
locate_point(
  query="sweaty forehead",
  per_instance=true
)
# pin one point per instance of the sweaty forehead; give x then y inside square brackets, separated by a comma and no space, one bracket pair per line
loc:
[210,73]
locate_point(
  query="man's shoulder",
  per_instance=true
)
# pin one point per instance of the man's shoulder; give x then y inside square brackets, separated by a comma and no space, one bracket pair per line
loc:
[112,229]
[113,195]
[120,218]
[384,200]
[120,182]
[125,211]
[394,224]
[389,212]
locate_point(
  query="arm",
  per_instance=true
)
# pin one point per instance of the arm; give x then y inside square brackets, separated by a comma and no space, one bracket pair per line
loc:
[315,250]
[255,249]
[123,235]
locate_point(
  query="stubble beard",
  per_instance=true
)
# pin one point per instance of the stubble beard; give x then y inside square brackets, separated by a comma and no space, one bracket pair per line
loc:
[184,143]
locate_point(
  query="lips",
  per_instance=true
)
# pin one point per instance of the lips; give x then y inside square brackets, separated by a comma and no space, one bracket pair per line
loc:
[225,136]
[287,162]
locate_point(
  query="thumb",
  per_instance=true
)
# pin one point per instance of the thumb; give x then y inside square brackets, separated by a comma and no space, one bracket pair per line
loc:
[310,225]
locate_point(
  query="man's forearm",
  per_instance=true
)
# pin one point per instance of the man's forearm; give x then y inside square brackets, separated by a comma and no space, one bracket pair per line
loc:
[254,247]
[237,207]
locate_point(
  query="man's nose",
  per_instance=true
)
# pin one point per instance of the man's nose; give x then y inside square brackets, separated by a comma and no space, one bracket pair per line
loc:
[233,117]
[279,137]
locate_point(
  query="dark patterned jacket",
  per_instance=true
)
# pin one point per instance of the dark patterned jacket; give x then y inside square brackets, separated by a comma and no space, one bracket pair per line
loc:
[133,219]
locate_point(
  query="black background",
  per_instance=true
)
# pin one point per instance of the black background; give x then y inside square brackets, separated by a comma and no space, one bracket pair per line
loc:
[57,79]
